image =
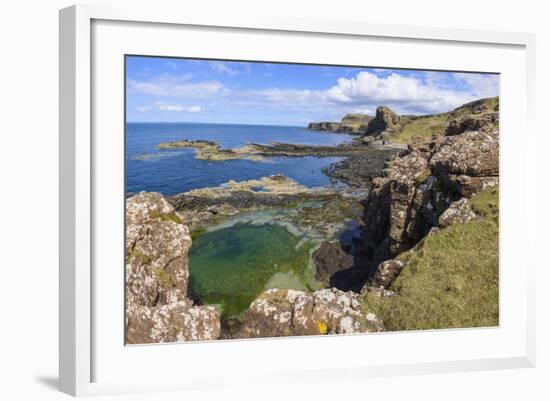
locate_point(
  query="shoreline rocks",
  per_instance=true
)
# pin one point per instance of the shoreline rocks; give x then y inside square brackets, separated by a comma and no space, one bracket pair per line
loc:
[277,313]
[157,275]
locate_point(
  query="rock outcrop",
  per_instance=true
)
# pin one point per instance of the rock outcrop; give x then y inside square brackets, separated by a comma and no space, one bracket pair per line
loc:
[279,312]
[423,188]
[458,212]
[386,122]
[386,272]
[419,185]
[354,123]
[157,307]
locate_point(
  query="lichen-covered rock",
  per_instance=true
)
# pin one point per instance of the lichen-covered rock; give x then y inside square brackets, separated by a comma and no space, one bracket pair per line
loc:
[458,212]
[468,186]
[156,251]
[421,183]
[157,244]
[386,272]
[470,123]
[472,153]
[177,321]
[398,209]
[279,312]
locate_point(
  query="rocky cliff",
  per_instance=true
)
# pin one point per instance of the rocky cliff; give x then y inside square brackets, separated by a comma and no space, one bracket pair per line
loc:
[157,306]
[424,187]
[350,124]
[324,126]
[418,186]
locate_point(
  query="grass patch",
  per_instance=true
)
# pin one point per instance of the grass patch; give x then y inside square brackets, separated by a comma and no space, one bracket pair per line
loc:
[452,281]
[427,126]
[423,127]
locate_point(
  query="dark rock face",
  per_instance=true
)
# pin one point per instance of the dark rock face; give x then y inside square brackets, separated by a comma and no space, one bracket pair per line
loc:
[330,258]
[423,188]
[357,170]
[385,121]
[157,307]
[278,313]
[324,126]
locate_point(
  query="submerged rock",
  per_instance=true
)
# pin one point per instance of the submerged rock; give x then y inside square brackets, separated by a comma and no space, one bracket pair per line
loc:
[157,274]
[279,312]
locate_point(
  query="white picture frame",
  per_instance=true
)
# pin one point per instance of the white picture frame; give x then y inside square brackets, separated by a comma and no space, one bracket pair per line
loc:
[80,343]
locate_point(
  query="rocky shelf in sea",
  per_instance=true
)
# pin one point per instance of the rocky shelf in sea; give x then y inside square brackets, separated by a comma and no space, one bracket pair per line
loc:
[211,150]
[319,208]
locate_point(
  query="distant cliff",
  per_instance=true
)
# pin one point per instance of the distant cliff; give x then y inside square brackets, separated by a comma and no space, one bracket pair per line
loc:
[351,124]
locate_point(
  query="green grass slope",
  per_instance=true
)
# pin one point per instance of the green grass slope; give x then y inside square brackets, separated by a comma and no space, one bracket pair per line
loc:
[452,280]
[426,126]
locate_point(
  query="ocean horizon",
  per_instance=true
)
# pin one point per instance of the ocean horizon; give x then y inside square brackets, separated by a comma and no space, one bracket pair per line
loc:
[172,171]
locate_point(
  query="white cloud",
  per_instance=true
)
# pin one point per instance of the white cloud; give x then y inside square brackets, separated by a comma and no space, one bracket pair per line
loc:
[362,94]
[403,93]
[177,86]
[482,85]
[143,109]
[423,93]
[224,68]
[177,107]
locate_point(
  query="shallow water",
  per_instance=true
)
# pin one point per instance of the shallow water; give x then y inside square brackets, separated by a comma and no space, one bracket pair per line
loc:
[172,171]
[231,266]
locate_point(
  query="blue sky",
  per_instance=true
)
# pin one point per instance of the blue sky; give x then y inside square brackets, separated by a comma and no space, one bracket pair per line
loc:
[187,90]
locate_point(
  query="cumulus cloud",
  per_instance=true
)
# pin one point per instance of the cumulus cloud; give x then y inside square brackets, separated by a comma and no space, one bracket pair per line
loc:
[143,109]
[404,93]
[177,107]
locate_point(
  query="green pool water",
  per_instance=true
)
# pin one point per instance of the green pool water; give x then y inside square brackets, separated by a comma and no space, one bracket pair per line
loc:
[229,267]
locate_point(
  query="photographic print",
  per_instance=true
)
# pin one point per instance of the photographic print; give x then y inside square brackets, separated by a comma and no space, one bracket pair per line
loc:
[268,199]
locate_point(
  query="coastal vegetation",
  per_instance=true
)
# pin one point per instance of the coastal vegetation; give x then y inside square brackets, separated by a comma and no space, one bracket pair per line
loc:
[407,240]
[451,279]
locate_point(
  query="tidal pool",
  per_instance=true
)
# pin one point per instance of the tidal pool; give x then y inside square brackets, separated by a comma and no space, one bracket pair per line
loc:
[230,267]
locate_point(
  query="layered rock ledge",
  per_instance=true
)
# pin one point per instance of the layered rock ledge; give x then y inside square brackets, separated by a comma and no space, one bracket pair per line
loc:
[157,307]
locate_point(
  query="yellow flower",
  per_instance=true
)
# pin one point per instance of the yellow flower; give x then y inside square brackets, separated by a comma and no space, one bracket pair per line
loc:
[322,326]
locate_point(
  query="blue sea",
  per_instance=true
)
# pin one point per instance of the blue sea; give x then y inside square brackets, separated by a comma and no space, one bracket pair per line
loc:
[171,171]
